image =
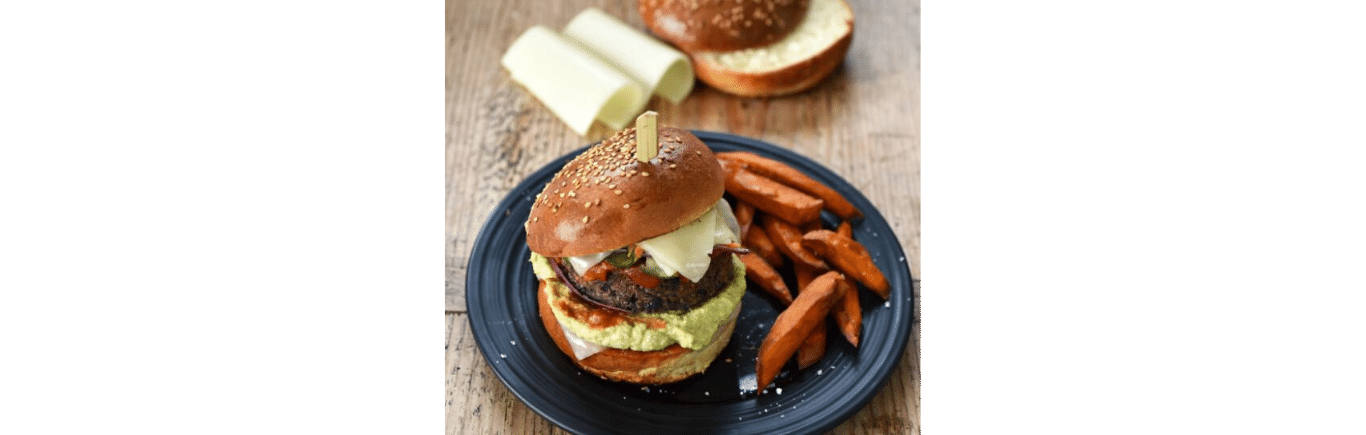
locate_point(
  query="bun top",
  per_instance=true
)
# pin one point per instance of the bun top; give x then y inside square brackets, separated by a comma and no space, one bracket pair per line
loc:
[721,25]
[605,199]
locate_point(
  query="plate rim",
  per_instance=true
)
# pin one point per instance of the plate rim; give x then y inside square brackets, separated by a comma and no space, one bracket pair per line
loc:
[860,396]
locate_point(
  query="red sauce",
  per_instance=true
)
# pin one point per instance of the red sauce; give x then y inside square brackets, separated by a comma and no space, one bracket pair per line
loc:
[641,278]
[598,272]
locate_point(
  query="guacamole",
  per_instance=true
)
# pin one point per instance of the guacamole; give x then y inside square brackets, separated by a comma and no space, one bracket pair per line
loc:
[692,330]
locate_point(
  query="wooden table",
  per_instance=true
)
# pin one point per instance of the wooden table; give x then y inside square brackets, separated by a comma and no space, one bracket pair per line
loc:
[863,122]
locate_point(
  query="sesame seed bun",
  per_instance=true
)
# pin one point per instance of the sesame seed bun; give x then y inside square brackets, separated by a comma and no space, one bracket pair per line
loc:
[605,199]
[721,25]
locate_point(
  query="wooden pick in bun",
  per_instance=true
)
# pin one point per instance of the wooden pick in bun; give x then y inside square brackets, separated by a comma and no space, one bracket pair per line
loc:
[605,199]
[797,45]
[606,234]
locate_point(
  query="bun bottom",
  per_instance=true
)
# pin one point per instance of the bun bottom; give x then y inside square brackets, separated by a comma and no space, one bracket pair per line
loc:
[670,364]
[787,80]
[832,20]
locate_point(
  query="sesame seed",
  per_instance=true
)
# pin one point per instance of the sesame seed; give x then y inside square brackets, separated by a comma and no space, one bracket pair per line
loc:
[673,165]
[626,206]
[585,219]
[586,204]
[618,191]
[644,174]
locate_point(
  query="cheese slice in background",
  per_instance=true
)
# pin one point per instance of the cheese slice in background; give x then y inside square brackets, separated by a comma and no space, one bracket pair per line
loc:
[659,68]
[573,83]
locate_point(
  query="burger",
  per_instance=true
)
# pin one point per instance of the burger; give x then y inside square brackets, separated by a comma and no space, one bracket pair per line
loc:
[639,278]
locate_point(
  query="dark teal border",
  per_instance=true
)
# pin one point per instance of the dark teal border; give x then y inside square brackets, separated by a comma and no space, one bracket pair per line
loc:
[220,218]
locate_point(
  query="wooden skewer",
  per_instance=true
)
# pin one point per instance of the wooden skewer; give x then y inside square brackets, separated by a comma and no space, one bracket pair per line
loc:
[647,136]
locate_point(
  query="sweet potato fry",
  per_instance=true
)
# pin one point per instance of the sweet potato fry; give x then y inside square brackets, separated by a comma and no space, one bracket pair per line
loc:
[790,176]
[759,271]
[804,274]
[744,215]
[728,166]
[772,197]
[849,257]
[847,313]
[813,349]
[794,325]
[757,241]
[788,239]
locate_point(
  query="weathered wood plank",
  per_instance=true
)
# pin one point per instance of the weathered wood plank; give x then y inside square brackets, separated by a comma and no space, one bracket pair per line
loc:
[863,123]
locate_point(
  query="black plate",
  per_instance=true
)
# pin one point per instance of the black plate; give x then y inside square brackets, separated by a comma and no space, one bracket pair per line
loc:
[500,293]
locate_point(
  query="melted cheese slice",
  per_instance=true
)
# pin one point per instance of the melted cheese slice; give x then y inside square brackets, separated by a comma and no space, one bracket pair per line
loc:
[686,251]
[582,348]
[582,263]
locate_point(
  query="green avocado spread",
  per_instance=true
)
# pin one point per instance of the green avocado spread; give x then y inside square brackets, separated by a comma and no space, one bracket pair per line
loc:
[692,330]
